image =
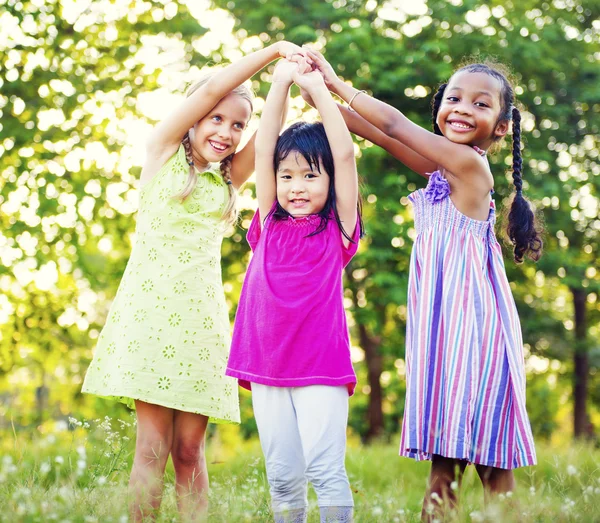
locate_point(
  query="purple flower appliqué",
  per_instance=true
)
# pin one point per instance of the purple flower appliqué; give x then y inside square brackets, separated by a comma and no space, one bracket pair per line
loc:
[437,189]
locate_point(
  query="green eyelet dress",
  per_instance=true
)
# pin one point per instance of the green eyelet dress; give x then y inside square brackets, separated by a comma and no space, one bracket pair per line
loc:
[167,336]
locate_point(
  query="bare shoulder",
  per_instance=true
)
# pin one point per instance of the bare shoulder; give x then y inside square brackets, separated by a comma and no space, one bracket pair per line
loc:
[155,159]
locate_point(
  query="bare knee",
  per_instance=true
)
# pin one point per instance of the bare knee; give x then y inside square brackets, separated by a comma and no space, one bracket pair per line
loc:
[187,454]
[153,448]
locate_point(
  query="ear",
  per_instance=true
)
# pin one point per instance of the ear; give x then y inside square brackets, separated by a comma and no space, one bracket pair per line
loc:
[501,129]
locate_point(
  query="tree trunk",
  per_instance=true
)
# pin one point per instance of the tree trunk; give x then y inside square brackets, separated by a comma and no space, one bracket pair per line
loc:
[374,361]
[581,423]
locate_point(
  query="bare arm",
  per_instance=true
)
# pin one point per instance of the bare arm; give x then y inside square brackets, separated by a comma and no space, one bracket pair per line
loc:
[456,158]
[361,127]
[167,135]
[268,134]
[342,148]
[413,160]
[242,165]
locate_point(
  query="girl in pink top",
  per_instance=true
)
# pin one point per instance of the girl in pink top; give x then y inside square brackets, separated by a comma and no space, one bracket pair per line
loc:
[290,341]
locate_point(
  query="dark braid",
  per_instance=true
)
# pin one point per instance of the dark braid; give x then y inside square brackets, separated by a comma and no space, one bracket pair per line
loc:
[522,228]
[516,150]
[435,106]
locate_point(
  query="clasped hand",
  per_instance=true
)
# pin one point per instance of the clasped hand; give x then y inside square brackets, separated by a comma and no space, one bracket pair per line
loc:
[298,69]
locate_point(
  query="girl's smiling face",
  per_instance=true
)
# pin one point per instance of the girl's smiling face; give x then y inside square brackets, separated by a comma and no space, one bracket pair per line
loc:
[218,134]
[301,190]
[470,110]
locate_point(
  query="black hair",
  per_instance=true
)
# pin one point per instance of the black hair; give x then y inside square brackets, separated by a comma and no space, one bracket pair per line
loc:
[310,140]
[523,229]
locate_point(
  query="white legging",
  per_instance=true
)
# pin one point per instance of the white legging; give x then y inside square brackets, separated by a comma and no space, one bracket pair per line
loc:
[303,436]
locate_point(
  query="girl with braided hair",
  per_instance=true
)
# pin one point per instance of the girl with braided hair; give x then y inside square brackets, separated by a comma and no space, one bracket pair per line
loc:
[465,397]
[166,340]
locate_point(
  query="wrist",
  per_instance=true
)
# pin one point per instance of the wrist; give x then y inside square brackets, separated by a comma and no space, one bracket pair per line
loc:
[279,48]
[320,93]
[282,82]
[337,86]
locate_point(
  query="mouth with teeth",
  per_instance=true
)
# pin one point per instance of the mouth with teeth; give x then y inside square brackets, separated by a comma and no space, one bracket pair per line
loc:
[299,202]
[460,125]
[218,147]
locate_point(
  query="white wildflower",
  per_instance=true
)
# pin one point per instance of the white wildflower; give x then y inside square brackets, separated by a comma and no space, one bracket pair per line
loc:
[571,470]
[101,480]
[377,511]
[59,460]
[454,485]
[45,467]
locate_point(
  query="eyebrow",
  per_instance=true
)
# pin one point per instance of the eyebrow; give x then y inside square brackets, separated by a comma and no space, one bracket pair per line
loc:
[307,170]
[217,113]
[486,93]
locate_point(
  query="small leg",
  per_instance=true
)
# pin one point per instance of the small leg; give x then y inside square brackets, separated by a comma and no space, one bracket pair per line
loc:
[441,496]
[152,448]
[495,480]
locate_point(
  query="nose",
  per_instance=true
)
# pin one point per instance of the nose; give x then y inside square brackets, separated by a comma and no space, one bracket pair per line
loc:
[298,188]
[462,108]
[224,132]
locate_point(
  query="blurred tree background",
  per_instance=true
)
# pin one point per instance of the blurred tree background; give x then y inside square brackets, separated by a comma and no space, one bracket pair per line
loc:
[82,82]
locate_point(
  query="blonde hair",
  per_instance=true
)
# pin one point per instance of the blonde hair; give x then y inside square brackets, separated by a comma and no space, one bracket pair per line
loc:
[230,213]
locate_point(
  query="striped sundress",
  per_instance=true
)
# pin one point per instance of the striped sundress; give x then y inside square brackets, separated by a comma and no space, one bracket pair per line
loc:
[465,392]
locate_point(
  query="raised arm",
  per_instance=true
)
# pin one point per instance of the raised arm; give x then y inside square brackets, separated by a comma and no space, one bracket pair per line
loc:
[361,127]
[167,135]
[342,148]
[456,158]
[268,133]
[242,165]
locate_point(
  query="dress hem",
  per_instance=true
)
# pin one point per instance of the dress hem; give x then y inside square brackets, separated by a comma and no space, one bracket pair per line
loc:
[528,460]
[128,400]
[245,380]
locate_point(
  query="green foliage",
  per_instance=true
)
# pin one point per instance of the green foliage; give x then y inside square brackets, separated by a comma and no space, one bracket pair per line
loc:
[72,80]
[69,475]
[398,57]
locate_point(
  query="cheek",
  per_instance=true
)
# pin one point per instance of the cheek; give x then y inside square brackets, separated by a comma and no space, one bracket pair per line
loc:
[236,138]
[279,189]
[201,129]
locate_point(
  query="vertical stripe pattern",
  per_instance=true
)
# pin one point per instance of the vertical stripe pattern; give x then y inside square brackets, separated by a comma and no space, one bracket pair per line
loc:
[465,394]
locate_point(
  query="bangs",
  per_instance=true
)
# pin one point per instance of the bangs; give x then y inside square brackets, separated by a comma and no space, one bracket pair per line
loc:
[308,140]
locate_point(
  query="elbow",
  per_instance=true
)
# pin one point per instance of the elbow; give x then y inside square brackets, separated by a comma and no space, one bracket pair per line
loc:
[390,127]
[392,122]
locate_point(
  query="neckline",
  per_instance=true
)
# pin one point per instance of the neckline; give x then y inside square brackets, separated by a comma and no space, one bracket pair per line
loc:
[479,150]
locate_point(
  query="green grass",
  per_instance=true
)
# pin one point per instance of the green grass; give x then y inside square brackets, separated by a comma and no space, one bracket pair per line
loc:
[81,476]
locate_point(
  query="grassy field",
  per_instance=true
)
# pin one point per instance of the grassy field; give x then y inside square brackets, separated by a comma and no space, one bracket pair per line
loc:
[80,475]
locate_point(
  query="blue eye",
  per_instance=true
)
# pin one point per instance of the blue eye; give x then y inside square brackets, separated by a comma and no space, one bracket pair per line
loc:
[217,118]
